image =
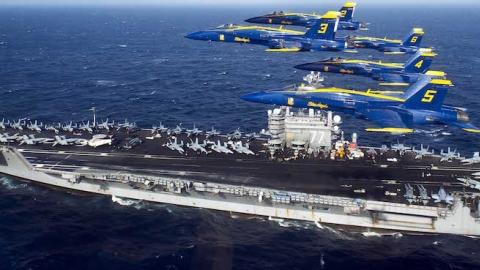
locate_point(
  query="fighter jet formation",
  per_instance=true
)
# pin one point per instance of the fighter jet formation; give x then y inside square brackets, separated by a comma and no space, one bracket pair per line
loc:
[419,107]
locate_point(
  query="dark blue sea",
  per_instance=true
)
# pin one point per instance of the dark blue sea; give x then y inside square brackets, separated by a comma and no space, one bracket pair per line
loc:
[133,62]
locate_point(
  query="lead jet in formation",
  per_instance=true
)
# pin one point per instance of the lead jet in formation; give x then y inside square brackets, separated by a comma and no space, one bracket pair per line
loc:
[308,19]
[320,37]
[393,73]
[419,107]
[410,44]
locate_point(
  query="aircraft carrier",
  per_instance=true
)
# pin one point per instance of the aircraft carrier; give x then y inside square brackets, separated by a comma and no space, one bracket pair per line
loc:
[301,167]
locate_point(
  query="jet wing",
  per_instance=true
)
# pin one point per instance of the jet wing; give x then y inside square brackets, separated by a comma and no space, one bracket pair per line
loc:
[389,121]
[280,45]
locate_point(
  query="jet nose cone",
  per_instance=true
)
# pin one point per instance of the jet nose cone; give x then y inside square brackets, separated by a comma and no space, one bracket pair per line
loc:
[194,35]
[253,97]
[255,20]
[309,66]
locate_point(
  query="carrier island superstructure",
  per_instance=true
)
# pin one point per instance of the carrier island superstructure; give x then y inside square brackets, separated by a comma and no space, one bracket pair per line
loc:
[302,168]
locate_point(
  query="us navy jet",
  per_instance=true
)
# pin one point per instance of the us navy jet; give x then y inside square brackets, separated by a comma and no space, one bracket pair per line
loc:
[174,146]
[308,19]
[62,140]
[17,125]
[395,73]
[320,37]
[419,154]
[423,194]
[99,140]
[449,155]
[52,128]
[2,124]
[86,127]
[400,147]
[410,44]
[35,126]
[195,146]
[236,135]
[473,160]
[442,196]
[409,195]
[6,138]
[241,149]
[127,125]
[31,140]
[212,132]
[470,182]
[160,128]
[420,107]
[219,148]
[68,127]
[106,125]
[177,130]
[193,132]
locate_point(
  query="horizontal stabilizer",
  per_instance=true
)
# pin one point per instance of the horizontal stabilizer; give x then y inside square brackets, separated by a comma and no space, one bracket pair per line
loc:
[434,73]
[472,130]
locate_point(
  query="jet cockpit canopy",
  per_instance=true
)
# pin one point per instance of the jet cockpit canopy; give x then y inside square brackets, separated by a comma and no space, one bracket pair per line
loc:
[227,26]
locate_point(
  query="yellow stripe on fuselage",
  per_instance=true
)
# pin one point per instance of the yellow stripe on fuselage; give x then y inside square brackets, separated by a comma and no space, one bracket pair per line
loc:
[380,63]
[294,49]
[352,92]
[390,130]
[262,28]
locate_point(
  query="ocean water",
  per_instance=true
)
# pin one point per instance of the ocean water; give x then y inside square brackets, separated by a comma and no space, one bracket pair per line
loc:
[56,63]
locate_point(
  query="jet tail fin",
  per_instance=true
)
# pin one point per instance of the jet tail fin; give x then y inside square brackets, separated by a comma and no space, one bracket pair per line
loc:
[325,27]
[420,62]
[427,94]
[414,38]
[347,11]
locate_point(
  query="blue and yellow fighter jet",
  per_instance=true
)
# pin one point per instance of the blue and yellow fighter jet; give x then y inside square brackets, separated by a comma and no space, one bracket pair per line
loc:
[307,19]
[420,106]
[320,37]
[411,43]
[394,74]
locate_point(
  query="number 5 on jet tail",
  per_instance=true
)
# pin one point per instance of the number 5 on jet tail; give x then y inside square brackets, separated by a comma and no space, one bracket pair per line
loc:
[419,107]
